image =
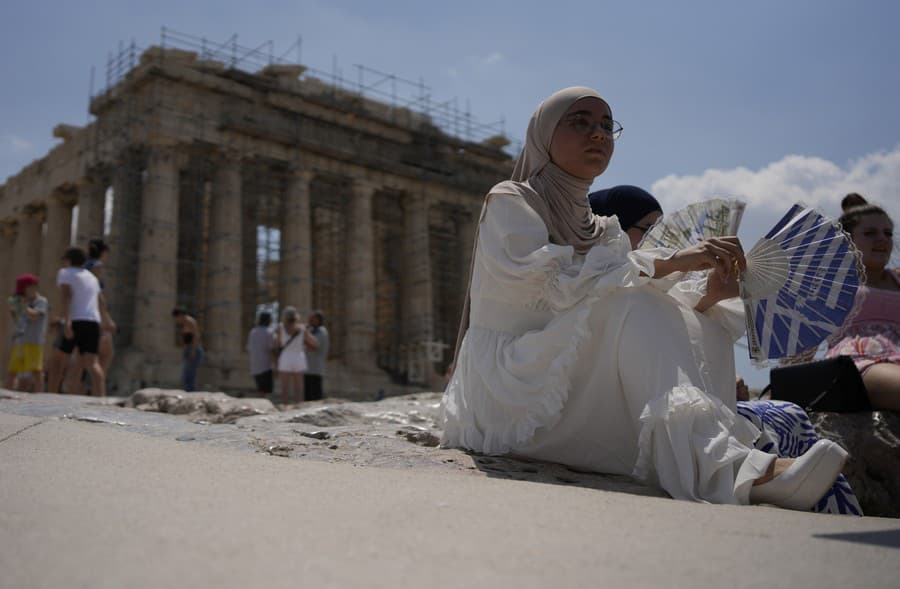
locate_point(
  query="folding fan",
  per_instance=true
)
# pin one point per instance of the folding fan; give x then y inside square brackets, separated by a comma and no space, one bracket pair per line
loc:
[800,284]
[801,278]
[694,223]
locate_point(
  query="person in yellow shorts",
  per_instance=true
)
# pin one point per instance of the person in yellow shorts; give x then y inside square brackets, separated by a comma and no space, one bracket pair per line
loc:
[30,311]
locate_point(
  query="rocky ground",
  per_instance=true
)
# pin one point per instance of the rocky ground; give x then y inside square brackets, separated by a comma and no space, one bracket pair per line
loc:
[873,440]
[398,432]
[403,432]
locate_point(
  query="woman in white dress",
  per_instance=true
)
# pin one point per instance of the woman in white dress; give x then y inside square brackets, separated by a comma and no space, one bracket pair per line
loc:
[291,357]
[574,349]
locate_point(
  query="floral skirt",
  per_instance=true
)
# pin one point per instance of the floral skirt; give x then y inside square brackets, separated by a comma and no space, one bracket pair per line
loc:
[868,345]
[788,432]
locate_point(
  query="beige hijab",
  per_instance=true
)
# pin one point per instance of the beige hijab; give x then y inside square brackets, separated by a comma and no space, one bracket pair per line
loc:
[558,197]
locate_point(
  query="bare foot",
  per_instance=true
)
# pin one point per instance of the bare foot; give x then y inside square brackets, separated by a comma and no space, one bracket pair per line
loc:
[778,466]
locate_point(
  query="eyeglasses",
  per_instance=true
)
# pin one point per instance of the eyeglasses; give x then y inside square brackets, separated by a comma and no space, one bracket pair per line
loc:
[584,126]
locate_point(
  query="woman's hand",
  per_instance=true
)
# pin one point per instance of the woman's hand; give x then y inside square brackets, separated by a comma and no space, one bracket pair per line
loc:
[718,290]
[68,333]
[722,254]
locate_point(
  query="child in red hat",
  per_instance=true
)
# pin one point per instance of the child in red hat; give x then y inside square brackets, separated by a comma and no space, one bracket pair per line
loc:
[29,311]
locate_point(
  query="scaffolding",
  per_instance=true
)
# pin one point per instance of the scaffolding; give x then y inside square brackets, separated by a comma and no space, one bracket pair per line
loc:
[370,91]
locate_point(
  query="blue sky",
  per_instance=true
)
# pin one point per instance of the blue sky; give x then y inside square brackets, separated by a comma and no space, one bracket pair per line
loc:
[771,101]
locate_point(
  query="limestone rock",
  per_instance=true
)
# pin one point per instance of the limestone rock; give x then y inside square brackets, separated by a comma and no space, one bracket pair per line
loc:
[290,71]
[496,141]
[66,132]
[873,440]
[420,436]
[328,416]
[156,54]
[363,434]
[8,394]
[213,407]
[422,409]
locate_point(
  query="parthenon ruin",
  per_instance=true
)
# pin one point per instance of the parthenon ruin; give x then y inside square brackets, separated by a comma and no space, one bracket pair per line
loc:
[228,191]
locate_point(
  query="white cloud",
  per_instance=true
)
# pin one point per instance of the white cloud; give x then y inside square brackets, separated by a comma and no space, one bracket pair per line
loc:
[481,63]
[815,181]
[492,59]
[771,190]
[17,145]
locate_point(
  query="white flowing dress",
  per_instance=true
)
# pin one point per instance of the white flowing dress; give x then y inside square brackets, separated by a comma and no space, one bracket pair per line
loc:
[292,358]
[581,360]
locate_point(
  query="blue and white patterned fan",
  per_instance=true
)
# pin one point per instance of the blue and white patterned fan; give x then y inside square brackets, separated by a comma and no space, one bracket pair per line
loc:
[800,285]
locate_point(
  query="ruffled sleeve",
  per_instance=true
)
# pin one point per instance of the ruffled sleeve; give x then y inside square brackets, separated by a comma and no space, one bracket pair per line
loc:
[514,249]
[689,288]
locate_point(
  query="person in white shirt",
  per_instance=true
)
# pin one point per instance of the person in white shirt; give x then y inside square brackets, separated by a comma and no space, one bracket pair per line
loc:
[83,312]
[290,355]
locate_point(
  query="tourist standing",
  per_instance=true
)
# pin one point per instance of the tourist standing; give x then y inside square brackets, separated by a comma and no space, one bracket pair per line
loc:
[291,357]
[260,345]
[192,356]
[28,342]
[83,311]
[316,345]
[97,251]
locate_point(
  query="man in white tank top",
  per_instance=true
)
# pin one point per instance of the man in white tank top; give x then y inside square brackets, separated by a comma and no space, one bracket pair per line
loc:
[83,309]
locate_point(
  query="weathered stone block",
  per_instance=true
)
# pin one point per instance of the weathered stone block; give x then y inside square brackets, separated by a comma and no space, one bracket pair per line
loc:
[211,407]
[873,440]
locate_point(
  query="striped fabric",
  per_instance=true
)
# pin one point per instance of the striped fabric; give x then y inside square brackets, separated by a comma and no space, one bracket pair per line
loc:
[787,432]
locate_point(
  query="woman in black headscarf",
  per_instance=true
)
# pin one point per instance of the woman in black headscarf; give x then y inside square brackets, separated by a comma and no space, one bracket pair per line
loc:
[636,209]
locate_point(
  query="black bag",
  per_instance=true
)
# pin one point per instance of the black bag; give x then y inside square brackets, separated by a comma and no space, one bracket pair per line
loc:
[826,385]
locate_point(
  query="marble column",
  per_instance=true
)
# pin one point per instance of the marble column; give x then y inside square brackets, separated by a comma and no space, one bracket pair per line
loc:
[27,248]
[249,278]
[360,342]
[468,225]
[56,241]
[417,308]
[120,271]
[295,269]
[223,326]
[157,255]
[7,282]
[91,208]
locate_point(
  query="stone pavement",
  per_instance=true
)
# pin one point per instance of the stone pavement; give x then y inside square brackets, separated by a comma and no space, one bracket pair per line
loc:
[94,505]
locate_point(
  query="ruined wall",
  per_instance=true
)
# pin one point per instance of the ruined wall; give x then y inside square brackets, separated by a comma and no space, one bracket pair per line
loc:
[232,191]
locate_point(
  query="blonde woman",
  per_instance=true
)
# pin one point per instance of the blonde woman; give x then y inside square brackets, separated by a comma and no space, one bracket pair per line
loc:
[291,357]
